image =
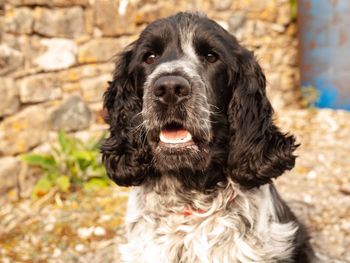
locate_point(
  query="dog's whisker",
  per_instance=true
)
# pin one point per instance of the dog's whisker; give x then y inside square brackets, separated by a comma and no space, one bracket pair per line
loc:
[219,111]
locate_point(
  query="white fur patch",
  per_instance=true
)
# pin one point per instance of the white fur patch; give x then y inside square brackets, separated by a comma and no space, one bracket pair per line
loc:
[243,230]
[186,36]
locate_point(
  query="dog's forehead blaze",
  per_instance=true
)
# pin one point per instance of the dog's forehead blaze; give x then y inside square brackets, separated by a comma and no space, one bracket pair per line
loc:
[187,45]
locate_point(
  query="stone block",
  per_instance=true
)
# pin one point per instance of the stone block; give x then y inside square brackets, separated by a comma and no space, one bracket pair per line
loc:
[236,21]
[10,59]
[72,115]
[29,47]
[292,30]
[60,3]
[284,14]
[291,57]
[23,131]
[93,88]
[40,88]
[114,18]
[9,171]
[69,2]
[11,40]
[71,87]
[9,97]
[86,71]
[64,22]
[18,20]
[262,10]
[89,21]
[60,54]
[278,56]
[222,5]
[147,13]
[101,49]
[13,2]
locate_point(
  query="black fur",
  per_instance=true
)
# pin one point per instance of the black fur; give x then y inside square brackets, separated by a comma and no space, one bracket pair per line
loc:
[242,142]
[260,151]
[245,144]
[127,159]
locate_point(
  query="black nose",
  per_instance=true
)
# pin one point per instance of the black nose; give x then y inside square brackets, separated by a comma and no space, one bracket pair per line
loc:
[172,89]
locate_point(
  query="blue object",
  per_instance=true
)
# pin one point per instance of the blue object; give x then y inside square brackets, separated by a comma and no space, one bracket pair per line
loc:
[324,34]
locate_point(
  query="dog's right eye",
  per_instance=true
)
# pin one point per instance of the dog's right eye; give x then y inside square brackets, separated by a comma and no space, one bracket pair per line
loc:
[211,57]
[150,58]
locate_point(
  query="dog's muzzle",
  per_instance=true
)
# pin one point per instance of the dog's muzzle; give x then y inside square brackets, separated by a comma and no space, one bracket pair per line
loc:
[172,90]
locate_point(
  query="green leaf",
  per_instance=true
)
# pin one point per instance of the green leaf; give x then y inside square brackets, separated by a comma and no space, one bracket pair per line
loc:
[95,184]
[71,164]
[84,159]
[98,171]
[76,181]
[94,144]
[52,176]
[294,9]
[56,152]
[84,155]
[66,144]
[63,183]
[46,162]
[310,95]
[42,187]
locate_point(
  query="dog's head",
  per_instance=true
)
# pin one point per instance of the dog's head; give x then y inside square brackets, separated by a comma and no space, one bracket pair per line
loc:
[188,101]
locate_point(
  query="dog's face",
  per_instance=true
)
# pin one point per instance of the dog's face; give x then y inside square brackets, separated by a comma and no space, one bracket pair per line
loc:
[185,90]
[188,99]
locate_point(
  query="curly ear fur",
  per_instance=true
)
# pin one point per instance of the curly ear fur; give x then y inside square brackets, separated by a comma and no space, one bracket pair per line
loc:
[125,153]
[258,150]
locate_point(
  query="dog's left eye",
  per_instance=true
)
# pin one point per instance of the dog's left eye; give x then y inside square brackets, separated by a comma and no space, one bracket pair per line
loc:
[150,58]
[211,57]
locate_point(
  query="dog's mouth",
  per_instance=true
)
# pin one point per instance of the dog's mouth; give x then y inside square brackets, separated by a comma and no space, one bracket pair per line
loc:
[174,135]
[177,145]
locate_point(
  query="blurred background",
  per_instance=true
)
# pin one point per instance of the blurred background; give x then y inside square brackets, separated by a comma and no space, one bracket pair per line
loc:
[56,56]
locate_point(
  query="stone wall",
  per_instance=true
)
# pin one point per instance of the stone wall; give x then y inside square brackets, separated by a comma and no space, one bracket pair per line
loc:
[56,57]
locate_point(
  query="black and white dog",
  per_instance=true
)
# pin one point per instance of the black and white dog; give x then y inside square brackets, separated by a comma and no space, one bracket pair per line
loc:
[191,130]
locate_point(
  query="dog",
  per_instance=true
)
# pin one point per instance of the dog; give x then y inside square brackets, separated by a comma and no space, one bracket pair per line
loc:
[191,132]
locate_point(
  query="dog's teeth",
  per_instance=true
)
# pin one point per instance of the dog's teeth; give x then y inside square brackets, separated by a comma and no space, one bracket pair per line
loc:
[185,139]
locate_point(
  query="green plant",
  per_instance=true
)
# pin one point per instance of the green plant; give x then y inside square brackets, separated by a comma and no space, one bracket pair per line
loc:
[70,165]
[310,95]
[294,9]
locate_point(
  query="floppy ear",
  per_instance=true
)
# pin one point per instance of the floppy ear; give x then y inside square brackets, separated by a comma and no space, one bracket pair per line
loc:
[125,153]
[258,150]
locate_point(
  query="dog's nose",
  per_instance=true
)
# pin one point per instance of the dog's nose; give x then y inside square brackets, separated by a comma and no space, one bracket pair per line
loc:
[172,89]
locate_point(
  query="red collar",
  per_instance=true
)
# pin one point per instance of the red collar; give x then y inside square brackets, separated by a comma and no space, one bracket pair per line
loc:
[188,211]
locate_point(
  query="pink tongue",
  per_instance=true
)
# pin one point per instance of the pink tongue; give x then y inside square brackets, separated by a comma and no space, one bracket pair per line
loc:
[174,134]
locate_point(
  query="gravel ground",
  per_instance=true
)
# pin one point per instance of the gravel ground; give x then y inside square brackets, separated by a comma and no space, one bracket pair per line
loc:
[318,188]
[86,227]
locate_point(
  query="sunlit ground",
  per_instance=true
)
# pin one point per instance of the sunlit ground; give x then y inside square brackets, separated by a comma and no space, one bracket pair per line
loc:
[62,227]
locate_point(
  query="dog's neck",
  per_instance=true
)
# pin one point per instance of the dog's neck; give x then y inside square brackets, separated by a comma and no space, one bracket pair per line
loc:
[167,193]
[187,180]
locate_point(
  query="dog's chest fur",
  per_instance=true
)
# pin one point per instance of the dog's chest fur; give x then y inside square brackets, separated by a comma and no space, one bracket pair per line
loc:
[229,226]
